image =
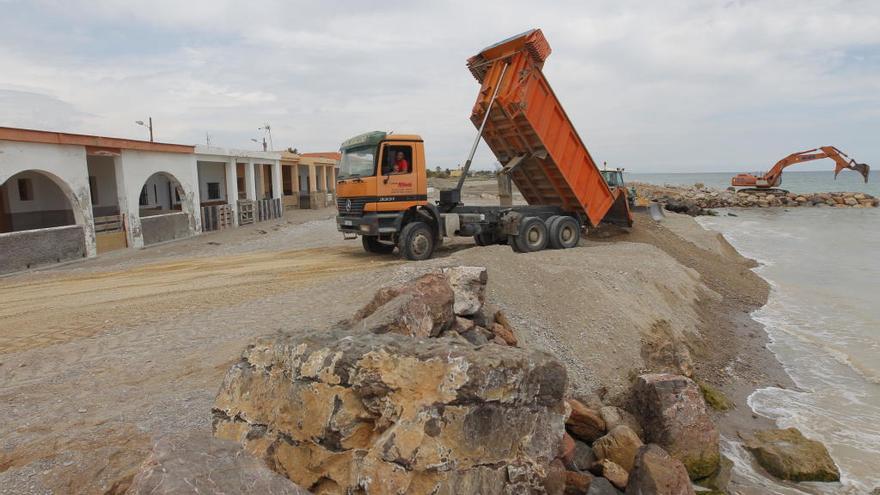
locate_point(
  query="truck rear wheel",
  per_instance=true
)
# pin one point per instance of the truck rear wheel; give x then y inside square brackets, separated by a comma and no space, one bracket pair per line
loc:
[372,245]
[564,233]
[416,241]
[532,235]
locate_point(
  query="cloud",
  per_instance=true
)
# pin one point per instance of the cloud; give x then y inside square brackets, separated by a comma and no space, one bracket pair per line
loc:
[671,86]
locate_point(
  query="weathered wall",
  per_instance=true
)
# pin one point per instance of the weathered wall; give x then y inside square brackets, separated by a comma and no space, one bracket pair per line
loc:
[31,248]
[212,172]
[167,227]
[138,166]
[65,165]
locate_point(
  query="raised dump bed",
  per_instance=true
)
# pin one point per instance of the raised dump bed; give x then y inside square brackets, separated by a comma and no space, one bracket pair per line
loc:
[531,135]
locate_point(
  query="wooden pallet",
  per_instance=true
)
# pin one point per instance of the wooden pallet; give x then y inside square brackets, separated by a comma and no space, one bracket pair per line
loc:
[216,217]
[246,211]
[111,223]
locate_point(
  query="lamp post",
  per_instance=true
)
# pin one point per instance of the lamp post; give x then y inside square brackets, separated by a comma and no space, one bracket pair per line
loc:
[148,126]
[265,148]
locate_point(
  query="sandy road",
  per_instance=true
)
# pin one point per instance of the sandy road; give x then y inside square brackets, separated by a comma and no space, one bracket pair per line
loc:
[62,307]
[99,358]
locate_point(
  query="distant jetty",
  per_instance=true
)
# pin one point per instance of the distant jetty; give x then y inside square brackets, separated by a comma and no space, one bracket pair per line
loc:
[697,199]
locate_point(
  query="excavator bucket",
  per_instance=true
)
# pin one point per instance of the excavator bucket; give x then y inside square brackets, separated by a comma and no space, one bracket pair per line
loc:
[861,168]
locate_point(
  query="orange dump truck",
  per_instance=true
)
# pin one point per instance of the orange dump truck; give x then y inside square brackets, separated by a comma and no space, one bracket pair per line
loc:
[382,182]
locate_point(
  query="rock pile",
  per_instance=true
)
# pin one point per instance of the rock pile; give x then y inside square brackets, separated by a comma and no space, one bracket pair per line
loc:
[422,391]
[447,302]
[695,200]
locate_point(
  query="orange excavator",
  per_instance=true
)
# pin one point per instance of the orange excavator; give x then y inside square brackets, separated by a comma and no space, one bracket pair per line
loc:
[773,178]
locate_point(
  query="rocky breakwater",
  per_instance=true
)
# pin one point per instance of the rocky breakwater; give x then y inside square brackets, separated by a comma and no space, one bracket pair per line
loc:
[698,199]
[418,393]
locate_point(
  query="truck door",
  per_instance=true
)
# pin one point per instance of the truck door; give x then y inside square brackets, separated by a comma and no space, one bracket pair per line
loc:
[398,182]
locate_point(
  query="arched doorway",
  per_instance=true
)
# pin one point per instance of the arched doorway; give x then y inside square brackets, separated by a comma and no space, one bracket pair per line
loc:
[165,209]
[41,221]
[33,199]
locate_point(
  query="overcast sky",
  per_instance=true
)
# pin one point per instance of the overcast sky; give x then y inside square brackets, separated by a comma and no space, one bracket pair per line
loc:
[672,86]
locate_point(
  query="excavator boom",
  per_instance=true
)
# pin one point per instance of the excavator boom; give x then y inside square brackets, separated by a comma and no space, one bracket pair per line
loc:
[773,177]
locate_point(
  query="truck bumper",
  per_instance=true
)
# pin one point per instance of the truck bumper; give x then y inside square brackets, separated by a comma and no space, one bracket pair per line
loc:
[364,225]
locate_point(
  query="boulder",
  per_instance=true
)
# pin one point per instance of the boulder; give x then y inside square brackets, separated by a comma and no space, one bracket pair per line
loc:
[850,201]
[601,486]
[419,308]
[469,286]
[577,483]
[620,445]
[719,480]
[788,455]
[503,333]
[566,451]
[614,416]
[338,412]
[611,471]
[584,423]
[674,416]
[582,457]
[197,463]
[657,473]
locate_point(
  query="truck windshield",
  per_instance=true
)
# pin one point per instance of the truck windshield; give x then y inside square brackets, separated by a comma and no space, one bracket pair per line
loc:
[357,162]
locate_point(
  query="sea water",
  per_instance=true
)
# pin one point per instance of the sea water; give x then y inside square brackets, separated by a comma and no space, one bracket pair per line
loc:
[823,320]
[794,181]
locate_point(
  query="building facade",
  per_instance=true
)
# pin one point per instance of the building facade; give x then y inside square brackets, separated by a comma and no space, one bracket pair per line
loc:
[67,196]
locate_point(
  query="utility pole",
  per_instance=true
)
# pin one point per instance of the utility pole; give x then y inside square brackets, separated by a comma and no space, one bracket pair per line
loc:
[268,130]
[149,126]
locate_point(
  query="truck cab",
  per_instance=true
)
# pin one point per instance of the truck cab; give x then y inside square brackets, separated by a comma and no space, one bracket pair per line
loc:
[380,187]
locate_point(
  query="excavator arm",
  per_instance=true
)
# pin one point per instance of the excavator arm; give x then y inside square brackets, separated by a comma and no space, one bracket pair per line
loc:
[773,177]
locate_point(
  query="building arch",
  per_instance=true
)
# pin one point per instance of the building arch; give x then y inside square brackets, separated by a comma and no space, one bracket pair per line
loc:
[165,209]
[33,199]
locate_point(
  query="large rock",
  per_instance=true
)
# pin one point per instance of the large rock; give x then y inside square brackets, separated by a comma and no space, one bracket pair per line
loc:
[674,416]
[199,464]
[419,308]
[584,423]
[577,483]
[619,445]
[469,285]
[582,457]
[615,416]
[657,473]
[601,486]
[788,455]
[338,412]
[611,471]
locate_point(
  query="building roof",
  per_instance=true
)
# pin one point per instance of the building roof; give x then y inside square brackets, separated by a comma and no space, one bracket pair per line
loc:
[330,155]
[50,137]
[217,151]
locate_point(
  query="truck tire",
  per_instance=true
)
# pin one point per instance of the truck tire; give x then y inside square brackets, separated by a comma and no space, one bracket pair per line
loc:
[564,233]
[416,241]
[532,235]
[372,245]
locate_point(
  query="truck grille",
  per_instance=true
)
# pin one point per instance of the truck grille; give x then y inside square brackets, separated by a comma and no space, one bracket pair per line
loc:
[351,207]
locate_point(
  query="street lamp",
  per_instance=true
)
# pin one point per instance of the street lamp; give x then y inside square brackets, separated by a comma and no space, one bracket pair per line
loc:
[258,142]
[148,126]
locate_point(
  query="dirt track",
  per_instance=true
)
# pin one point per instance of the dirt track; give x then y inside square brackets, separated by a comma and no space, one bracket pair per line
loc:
[99,358]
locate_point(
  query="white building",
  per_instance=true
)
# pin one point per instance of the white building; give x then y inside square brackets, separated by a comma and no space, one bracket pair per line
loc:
[68,196]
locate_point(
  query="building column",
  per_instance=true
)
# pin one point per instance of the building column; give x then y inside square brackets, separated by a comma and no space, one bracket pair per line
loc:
[277,186]
[232,188]
[129,210]
[249,182]
[313,188]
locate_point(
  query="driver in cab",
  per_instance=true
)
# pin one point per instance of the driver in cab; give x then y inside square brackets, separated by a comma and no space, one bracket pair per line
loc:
[401,166]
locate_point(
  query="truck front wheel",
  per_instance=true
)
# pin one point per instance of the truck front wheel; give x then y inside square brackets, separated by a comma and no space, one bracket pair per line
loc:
[416,241]
[372,245]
